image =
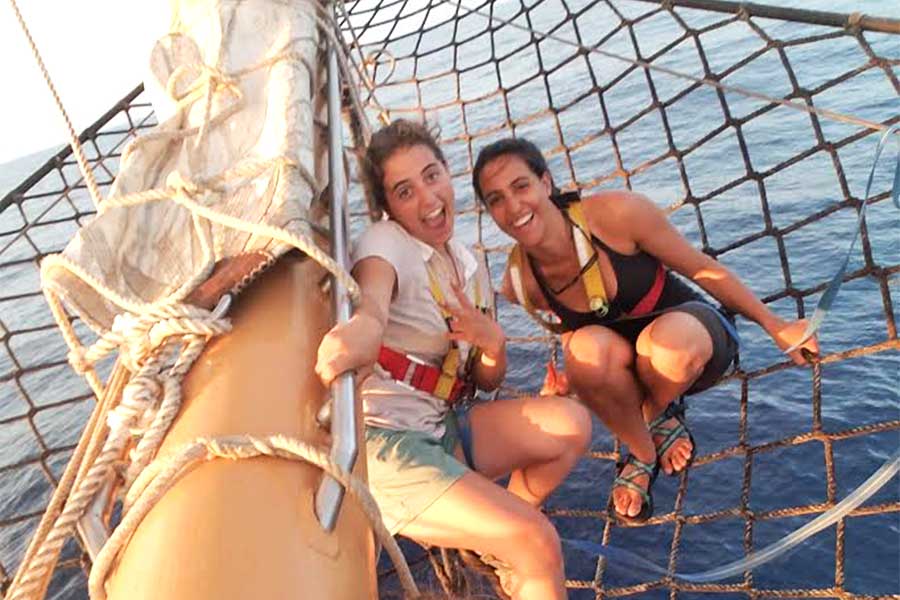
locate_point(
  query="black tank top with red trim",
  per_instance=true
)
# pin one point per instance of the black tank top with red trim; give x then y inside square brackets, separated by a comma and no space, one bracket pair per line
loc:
[635,274]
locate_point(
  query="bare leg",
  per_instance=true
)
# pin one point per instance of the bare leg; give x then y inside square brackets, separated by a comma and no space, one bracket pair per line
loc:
[476,514]
[672,353]
[538,440]
[599,364]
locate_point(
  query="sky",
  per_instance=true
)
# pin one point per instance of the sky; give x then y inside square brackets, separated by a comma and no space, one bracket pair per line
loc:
[95,51]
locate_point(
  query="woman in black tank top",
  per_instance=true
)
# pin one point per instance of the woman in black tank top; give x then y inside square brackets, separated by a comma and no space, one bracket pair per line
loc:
[636,336]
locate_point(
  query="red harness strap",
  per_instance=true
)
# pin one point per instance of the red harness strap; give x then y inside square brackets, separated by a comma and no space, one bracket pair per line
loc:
[648,302]
[415,374]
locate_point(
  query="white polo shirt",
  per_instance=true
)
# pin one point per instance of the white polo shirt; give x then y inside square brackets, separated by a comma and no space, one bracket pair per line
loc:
[415,325]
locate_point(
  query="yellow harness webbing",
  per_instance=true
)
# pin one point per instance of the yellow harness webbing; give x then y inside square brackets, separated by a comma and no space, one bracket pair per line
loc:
[515,260]
[452,360]
[591,277]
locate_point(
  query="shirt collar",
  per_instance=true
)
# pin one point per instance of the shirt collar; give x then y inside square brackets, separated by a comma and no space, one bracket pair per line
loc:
[459,251]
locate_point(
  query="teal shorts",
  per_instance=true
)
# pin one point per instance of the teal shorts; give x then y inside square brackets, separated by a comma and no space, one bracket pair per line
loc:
[409,470]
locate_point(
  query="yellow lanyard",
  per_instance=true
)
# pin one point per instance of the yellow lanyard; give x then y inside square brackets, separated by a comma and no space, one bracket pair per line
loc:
[452,361]
[591,277]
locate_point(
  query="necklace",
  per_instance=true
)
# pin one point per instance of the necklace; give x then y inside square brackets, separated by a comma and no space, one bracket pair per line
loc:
[579,274]
[575,279]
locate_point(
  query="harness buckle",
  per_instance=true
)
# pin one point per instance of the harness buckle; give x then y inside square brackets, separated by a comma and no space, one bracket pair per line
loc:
[414,363]
[599,305]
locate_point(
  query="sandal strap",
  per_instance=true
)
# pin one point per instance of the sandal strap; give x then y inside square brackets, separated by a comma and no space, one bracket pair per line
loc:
[624,482]
[640,468]
[672,434]
[675,410]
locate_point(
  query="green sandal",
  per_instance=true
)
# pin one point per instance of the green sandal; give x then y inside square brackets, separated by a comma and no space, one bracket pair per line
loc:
[675,410]
[640,468]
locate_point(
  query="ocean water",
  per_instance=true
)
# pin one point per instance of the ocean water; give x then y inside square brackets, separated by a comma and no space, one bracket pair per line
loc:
[856,391]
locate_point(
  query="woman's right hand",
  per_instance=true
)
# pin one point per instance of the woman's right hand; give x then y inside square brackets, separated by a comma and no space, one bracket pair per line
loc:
[788,333]
[348,346]
[356,343]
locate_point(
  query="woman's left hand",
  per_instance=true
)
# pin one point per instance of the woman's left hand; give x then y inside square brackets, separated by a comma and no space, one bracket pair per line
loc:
[786,334]
[468,323]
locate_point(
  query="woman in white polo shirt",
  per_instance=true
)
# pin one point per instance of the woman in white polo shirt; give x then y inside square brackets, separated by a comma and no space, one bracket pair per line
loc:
[422,325]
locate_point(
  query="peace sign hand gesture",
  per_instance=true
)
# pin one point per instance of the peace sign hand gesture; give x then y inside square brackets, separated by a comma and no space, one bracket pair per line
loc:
[468,323]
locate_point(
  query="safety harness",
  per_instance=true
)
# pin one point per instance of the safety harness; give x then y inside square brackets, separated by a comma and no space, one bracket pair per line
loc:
[444,382]
[591,278]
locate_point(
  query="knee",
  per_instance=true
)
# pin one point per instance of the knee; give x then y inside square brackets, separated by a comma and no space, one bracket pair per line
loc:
[538,547]
[576,424]
[676,346]
[594,354]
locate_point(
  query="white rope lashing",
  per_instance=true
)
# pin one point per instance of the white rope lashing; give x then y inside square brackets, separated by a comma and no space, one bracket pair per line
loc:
[149,335]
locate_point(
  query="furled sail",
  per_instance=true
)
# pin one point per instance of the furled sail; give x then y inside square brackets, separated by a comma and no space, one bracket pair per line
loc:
[234,87]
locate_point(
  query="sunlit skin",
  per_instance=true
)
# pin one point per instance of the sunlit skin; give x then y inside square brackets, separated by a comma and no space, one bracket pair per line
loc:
[625,385]
[420,195]
[536,441]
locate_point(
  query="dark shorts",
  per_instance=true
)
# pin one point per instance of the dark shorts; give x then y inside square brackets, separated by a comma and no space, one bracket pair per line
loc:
[719,326]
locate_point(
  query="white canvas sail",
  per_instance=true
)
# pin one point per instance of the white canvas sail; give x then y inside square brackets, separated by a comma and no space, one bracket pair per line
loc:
[249,155]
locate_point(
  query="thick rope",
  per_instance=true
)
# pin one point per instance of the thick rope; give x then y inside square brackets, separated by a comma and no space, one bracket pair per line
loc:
[73,137]
[183,192]
[93,429]
[150,401]
[164,473]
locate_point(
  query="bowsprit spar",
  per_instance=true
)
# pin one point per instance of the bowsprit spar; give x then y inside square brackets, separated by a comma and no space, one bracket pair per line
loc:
[727,114]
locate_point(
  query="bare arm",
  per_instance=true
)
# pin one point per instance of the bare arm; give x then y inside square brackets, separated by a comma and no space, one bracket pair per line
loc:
[652,232]
[356,343]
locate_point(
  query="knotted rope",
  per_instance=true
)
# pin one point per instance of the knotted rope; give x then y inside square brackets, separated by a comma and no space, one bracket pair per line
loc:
[147,336]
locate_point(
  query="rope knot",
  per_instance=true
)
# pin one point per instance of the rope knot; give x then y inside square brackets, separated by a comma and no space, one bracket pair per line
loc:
[181,185]
[215,77]
[133,337]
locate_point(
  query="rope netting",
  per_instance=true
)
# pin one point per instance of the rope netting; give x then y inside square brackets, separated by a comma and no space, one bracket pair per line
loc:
[619,94]
[43,403]
[757,134]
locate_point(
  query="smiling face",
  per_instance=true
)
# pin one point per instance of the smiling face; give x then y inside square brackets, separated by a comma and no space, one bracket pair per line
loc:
[517,199]
[419,194]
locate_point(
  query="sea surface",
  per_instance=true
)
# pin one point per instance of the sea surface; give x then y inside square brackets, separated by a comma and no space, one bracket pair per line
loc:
[856,391]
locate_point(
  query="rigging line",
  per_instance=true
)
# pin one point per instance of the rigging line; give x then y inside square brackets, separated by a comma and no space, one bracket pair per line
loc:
[38,220]
[822,112]
[837,280]
[73,137]
[359,67]
[875,482]
[329,27]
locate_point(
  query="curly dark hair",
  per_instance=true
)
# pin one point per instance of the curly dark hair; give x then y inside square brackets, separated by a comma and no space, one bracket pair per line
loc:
[384,143]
